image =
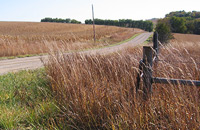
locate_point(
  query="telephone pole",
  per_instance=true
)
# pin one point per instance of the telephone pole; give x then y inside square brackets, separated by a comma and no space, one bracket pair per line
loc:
[93,23]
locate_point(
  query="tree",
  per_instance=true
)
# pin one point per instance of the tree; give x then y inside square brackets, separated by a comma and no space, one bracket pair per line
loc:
[145,25]
[59,20]
[75,21]
[47,20]
[88,21]
[190,26]
[197,27]
[67,20]
[193,14]
[178,25]
[164,32]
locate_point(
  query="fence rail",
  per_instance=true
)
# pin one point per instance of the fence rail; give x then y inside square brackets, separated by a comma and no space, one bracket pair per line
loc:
[176,81]
[150,54]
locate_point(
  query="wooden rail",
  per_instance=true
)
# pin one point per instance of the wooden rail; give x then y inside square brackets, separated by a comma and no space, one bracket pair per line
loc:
[176,81]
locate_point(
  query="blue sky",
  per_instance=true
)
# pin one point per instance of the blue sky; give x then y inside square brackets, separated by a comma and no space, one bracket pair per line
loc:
[35,10]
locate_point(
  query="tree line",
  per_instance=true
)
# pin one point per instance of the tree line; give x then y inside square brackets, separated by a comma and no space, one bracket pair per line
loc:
[145,25]
[193,14]
[59,20]
[178,22]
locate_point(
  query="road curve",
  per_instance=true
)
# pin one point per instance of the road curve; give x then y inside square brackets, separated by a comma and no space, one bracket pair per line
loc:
[14,65]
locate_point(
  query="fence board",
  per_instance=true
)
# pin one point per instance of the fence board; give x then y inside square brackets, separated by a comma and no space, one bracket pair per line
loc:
[176,81]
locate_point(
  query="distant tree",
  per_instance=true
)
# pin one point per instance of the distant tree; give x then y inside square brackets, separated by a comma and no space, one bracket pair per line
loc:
[59,20]
[197,26]
[88,21]
[184,22]
[122,22]
[193,14]
[75,21]
[145,25]
[47,20]
[148,26]
[190,26]
[67,20]
[178,24]
[116,22]
[164,32]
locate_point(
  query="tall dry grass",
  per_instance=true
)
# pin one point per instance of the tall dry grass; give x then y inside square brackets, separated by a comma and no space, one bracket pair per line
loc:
[98,91]
[20,38]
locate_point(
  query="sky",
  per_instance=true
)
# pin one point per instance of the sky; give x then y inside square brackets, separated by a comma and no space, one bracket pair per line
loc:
[35,10]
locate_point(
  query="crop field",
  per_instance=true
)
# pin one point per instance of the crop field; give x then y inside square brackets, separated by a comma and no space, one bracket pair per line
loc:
[187,38]
[22,38]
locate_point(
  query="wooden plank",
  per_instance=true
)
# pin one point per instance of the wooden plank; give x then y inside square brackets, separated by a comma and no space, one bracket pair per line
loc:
[176,81]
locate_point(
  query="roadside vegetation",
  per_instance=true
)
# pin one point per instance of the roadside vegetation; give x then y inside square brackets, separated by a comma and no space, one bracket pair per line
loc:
[26,101]
[18,38]
[98,91]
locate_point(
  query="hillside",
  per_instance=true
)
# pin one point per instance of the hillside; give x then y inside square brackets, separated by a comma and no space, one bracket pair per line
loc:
[154,20]
[20,38]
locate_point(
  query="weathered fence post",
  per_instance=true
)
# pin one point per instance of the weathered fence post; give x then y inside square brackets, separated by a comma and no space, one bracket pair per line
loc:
[155,44]
[147,71]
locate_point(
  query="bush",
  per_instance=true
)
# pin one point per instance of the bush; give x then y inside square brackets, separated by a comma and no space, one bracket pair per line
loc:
[164,32]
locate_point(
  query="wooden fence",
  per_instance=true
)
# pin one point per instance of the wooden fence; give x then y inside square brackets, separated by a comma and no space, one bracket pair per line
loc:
[150,55]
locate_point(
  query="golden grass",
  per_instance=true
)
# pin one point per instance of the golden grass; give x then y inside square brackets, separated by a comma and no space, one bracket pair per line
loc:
[20,38]
[98,91]
[186,38]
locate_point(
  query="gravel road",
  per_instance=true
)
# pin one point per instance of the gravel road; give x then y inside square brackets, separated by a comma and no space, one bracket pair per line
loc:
[14,65]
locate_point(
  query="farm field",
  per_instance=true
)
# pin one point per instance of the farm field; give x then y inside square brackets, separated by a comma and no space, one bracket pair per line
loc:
[26,38]
[98,92]
[187,38]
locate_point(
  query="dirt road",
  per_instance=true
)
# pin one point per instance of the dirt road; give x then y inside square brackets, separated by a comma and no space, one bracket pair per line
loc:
[14,65]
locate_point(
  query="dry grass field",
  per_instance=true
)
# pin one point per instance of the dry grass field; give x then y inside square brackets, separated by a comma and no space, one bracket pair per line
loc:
[21,38]
[187,38]
[98,91]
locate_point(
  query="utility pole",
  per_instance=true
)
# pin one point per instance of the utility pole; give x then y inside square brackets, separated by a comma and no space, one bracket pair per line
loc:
[93,23]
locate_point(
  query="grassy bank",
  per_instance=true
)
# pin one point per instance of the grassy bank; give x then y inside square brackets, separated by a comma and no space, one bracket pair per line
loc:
[26,101]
